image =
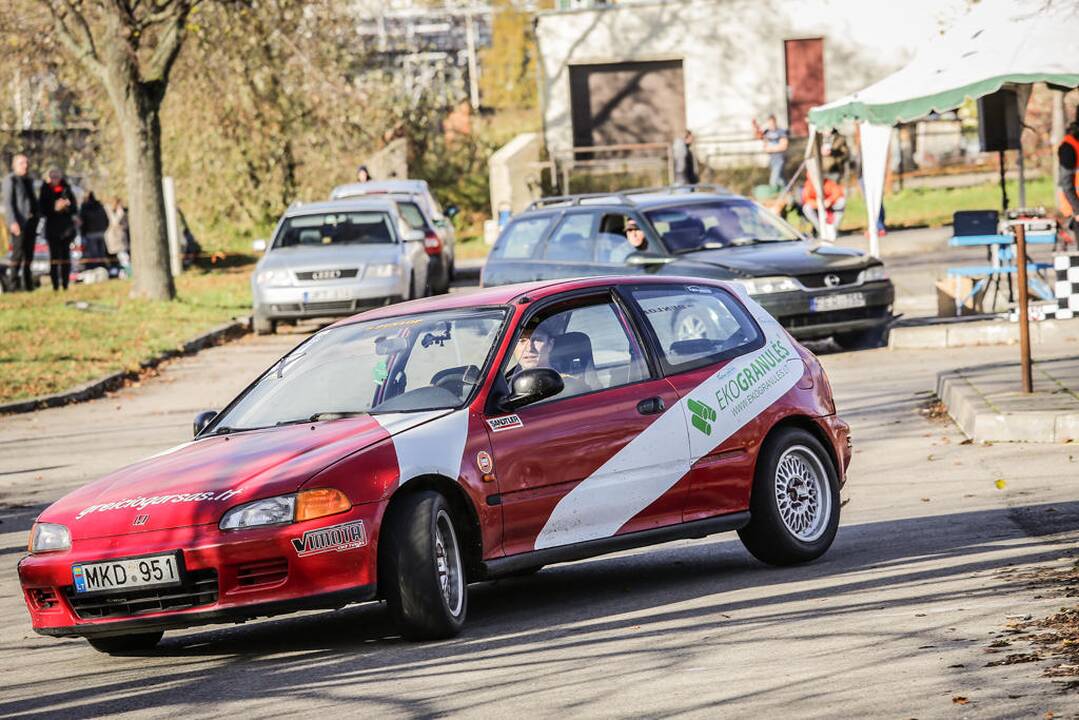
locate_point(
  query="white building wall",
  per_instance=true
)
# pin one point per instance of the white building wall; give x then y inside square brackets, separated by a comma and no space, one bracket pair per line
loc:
[732,51]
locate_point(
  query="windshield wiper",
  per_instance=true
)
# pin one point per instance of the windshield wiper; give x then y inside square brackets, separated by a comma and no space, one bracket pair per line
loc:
[334,415]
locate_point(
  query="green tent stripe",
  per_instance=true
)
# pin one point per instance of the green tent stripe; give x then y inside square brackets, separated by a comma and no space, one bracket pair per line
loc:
[826,118]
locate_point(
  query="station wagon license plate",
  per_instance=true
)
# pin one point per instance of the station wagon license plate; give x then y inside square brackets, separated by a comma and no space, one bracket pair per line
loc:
[126,573]
[842,301]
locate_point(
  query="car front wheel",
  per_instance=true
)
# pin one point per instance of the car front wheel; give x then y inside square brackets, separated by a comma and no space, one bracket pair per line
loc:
[422,574]
[794,507]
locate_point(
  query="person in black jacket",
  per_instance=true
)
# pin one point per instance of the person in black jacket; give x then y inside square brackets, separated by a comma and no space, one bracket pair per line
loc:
[60,208]
[21,214]
[95,223]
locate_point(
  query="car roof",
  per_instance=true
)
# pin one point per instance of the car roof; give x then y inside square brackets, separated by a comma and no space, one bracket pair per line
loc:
[381,186]
[643,198]
[509,294]
[343,205]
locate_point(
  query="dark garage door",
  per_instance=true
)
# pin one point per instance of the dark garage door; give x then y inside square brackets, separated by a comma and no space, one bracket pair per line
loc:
[627,103]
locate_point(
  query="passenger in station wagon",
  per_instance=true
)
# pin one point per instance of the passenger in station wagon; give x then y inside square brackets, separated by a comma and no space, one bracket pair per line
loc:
[635,242]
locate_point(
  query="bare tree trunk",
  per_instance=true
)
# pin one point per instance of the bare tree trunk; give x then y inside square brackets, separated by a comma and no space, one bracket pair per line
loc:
[141,130]
[1057,132]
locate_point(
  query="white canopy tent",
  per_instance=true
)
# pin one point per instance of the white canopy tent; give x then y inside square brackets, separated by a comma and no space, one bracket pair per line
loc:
[998,43]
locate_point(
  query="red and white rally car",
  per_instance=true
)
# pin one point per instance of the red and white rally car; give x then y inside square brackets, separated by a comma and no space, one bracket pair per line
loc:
[410,450]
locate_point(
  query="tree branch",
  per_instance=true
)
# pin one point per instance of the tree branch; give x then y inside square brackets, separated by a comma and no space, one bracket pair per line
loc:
[168,42]
[77,38]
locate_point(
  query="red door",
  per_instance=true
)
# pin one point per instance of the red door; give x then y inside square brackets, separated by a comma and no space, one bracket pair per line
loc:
[581,466]
[805,81]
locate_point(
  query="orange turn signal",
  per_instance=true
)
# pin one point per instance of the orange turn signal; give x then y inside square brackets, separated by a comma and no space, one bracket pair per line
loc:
[320,502]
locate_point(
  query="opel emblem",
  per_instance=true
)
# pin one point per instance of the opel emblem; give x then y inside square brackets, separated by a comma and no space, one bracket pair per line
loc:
[140,520]
[831,280]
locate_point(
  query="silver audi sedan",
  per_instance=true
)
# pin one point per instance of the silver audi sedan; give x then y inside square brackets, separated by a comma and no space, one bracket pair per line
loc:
[331,259]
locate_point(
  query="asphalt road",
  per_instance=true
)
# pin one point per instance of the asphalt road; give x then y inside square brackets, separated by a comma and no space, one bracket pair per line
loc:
[895,621]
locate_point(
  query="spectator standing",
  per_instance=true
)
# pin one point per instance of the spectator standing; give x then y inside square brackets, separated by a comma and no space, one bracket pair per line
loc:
[117,242]
[835,202]
[95,223]
[685,164]
[1068,179]
[22,214]
[776,141]
[60,208]
[363,174]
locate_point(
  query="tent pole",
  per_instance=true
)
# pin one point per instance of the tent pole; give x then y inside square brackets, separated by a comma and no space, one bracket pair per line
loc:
[1003,187]
[1024,316]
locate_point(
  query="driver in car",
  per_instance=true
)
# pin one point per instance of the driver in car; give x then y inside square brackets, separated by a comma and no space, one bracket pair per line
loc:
[532,351]
[635,242]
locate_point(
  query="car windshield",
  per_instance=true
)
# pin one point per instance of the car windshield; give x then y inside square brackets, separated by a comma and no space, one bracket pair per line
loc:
[410,363]
[340,228]
[727,223]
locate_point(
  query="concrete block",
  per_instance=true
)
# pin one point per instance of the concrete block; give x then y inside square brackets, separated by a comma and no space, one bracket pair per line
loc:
[928,336]
[1067,428]
[977,333]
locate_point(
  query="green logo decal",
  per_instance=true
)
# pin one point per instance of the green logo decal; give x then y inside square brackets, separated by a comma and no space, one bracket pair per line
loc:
[702,417]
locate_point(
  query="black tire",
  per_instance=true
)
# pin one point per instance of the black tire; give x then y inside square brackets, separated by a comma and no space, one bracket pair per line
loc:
[126,644]
[767,536]
[862,339]
[411,576]
[262,325]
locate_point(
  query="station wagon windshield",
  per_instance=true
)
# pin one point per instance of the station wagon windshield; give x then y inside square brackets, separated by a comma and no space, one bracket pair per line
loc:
[410,363]
[340,228]
[710,226]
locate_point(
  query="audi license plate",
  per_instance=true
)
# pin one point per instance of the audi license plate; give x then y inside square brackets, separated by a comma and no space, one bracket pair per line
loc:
[325,294]
[127,573]
[842,301]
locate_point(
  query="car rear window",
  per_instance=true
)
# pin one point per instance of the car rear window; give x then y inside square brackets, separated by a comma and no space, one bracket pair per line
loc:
[520,239]
[696,324]
[366,228]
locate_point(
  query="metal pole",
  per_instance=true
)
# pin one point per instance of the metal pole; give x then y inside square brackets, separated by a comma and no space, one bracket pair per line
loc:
[473,71]
[1024,319]
[1022,179]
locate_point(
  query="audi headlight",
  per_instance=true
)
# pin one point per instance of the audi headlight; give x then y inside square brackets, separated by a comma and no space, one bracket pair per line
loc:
[49,537]
[766,285]
[381,271]
[269,511]
[873,272]
[273,278]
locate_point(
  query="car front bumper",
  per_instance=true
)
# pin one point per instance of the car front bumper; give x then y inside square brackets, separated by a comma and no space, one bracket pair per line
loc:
[228,576]
[795,311]
[327,299]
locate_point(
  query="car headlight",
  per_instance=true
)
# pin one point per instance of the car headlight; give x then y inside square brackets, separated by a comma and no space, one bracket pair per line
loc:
[766,285]
[273,278]
[381,271]
[49,537]
[305,505]
[874,272]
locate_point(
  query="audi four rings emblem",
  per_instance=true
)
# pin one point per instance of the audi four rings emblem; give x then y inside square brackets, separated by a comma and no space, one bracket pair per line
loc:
[325,274]
[831,280]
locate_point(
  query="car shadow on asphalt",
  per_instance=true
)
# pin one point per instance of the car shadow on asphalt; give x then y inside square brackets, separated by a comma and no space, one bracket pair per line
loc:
[584,609]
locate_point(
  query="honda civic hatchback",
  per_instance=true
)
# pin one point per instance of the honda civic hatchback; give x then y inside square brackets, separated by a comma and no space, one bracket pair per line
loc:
[413,449]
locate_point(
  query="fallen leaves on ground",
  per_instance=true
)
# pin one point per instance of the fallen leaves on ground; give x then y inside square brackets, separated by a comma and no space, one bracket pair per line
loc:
[960,700]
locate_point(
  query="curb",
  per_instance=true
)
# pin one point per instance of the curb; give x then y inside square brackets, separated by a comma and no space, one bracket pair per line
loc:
[971,334]
[97,388]
[982,422]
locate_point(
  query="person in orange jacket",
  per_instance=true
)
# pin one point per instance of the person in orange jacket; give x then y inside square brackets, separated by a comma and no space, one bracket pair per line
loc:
[835,202]
[1068,180]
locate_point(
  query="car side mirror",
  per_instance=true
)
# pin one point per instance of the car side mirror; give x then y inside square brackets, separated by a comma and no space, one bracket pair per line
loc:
[259,245]
[531,386]
[648,258]
[414,235]
[451,211]
[203,419]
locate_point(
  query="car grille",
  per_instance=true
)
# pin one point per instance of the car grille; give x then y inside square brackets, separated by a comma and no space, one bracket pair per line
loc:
[832,316]
[264,572]
[331,274]
[846,277]
[200,588]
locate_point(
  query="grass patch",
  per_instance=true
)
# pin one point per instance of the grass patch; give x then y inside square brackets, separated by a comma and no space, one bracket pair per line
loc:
[55,341]
[913,207]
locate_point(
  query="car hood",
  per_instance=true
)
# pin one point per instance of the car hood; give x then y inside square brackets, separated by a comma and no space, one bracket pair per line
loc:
[194,483]
[787,258]
[329,256]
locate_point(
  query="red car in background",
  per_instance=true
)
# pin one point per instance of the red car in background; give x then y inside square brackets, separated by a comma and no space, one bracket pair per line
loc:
[412,449]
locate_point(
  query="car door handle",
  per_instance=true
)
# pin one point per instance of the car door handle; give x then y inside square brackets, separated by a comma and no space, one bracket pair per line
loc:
[651,406]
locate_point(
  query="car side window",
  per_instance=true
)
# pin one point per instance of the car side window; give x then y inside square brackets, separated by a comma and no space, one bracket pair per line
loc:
[612,247]
[520,239]
[588,345]
[696,324]
[413,215]
[573,240]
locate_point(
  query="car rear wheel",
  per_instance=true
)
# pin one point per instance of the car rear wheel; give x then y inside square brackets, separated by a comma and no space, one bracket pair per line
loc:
[794,508]
[126,644]
[422,576]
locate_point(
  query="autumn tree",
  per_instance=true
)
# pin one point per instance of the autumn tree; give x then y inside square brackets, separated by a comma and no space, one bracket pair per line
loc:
[130,47]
